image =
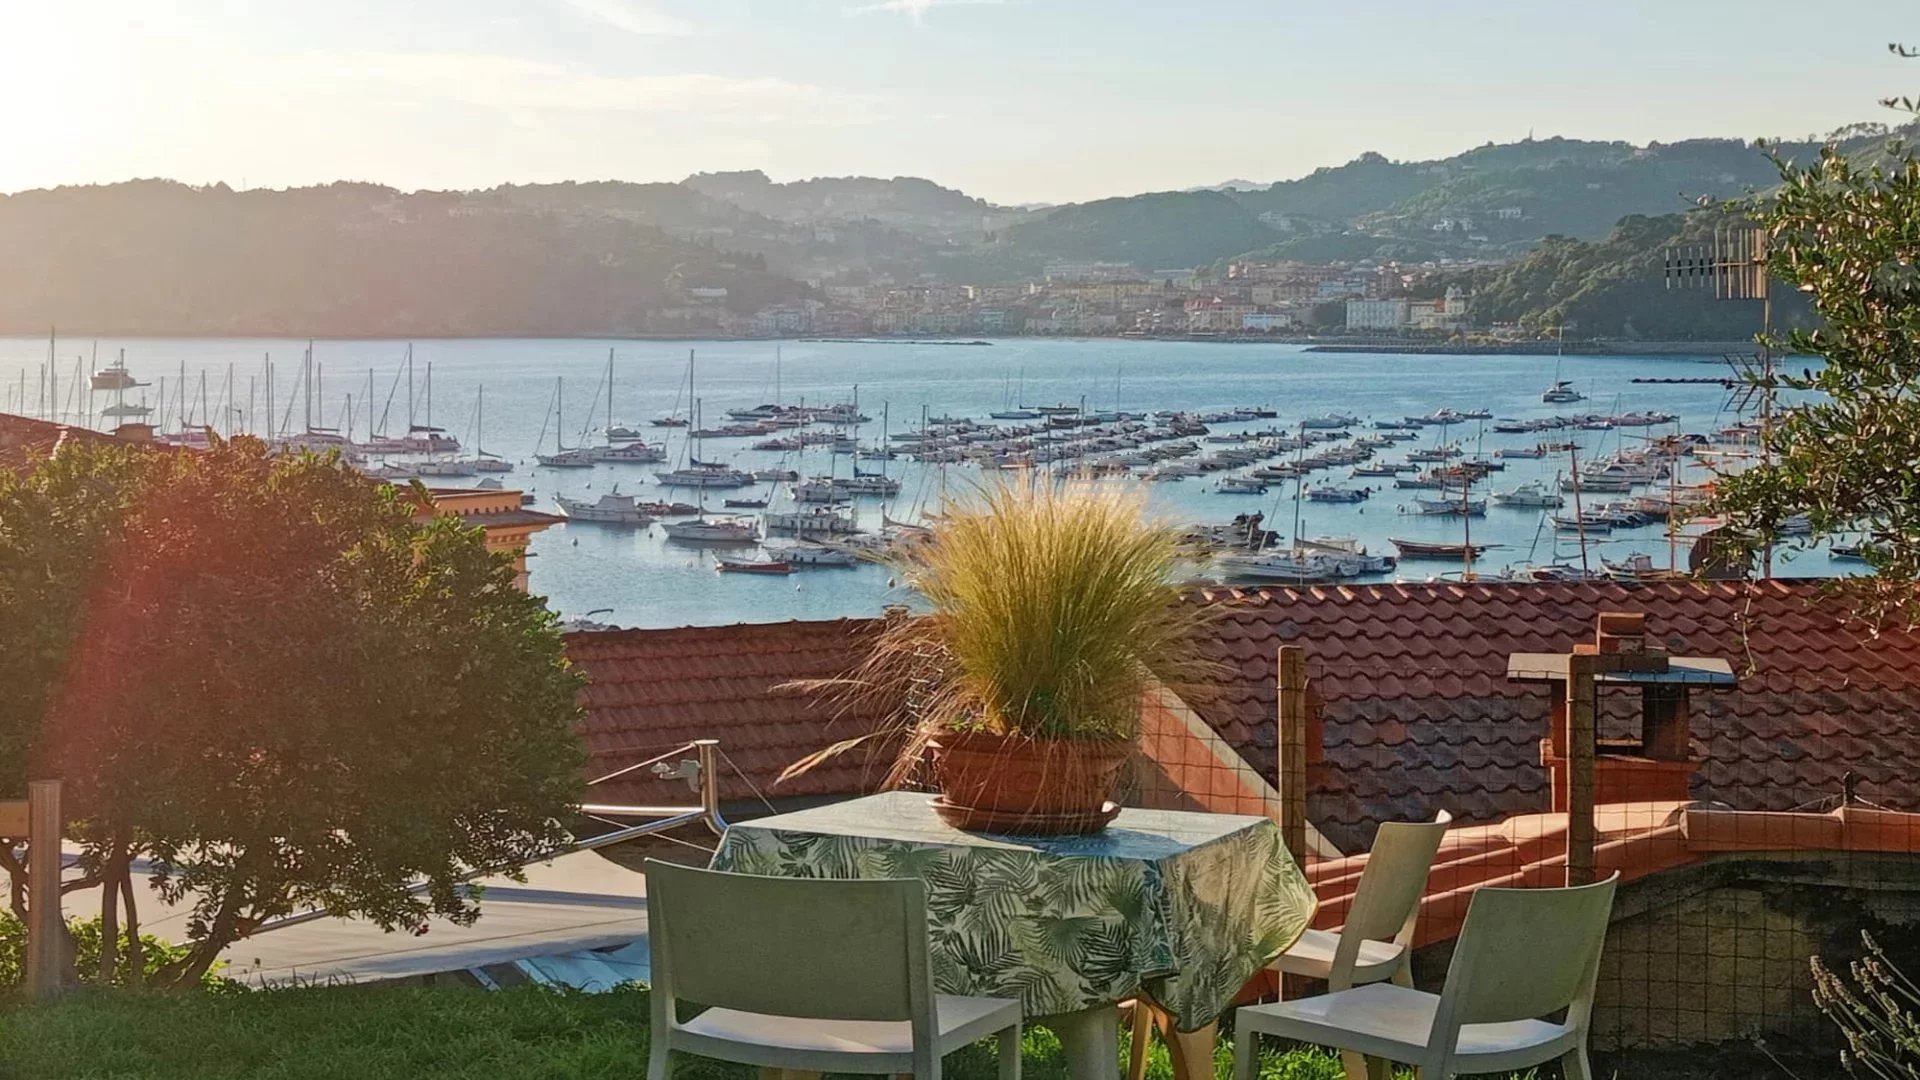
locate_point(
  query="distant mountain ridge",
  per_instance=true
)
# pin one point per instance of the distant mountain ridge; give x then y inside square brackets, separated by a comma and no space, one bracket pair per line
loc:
[622,257]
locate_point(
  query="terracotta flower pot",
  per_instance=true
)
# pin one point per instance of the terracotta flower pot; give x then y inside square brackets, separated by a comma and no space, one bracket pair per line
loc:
[998,783]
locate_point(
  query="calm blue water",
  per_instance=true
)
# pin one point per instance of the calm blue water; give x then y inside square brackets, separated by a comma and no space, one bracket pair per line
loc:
[646,581]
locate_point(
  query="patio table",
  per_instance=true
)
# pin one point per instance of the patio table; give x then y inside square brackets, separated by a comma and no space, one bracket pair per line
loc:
[1183,907]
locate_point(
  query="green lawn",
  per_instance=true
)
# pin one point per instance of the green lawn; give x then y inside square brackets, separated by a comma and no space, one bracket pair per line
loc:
[405,1033]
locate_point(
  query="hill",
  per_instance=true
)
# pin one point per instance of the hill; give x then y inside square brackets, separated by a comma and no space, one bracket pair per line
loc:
[1166,229]
[1616,288]
[157,257]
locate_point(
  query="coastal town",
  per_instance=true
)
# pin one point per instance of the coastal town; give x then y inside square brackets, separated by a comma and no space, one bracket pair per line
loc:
[1256,300]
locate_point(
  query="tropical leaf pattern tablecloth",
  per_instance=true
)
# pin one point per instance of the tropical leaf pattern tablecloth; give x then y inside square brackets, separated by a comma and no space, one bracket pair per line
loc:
[1187,907]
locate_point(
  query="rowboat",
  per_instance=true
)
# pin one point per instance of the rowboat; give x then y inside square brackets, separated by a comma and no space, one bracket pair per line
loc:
[751,566]
[1421,549]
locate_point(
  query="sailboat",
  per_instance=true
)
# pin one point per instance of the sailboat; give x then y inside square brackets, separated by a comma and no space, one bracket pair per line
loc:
[483,461]
[624,452]
[1022,412]
[701,530]
[563,457]
[702,474]
[1562,391]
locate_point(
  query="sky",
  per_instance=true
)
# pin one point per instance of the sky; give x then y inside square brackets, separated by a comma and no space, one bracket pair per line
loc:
[1016,101]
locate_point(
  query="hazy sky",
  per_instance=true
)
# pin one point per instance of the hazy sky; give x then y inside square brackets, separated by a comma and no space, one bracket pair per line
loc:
[1013,100]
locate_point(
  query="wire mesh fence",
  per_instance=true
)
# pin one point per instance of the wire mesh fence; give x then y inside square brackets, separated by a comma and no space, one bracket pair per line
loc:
[1758,819]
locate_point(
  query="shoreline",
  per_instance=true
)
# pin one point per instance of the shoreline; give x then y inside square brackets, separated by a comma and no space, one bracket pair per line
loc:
[1323,345]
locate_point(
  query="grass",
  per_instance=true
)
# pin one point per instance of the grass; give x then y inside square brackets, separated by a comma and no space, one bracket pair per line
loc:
[412,1033]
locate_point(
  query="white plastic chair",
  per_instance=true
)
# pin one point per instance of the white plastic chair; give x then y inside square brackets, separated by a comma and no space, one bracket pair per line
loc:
[1522,955]
[809,975]
[1376,942]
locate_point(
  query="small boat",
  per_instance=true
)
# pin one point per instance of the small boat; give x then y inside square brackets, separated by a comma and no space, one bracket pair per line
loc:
[610,509]
[1530,495]
[718,531]
[1015,414]
[1520,452]
[1451,507]
[114,376]
[636,453]
[1585,523]
[1636,567]
[1562,393]
[817,555]
[1329,422]
[776,475]
[670,421]
[1240,485]
[703,474]
[1851,552]
[570,458]
[745,504]
[1422,549]
[816,521]
[1337,494]
[1289,568]
[751,566]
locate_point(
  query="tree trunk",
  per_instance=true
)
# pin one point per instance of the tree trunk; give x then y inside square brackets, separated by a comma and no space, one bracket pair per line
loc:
[117,863]
[136,953]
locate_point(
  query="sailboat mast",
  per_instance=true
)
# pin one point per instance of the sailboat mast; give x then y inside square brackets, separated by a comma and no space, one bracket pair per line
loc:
[609,431]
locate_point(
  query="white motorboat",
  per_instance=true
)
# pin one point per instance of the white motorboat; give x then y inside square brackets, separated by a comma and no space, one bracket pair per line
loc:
[573,457]
[705,474]
[712,531]
[867,484]
[1337,495]
[815,555]
[815,521]
[1529,495]
[1240,485]
[609,509]
[1283,566]
[1451,507]
[635,453]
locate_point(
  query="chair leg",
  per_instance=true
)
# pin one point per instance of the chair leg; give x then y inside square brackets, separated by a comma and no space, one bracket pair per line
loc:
[1142,1038]
[1358,1066]
[1191,1051]
[1245,1043]
[657,1058]
[1403,976]
[1010,1053]
[1575,1066]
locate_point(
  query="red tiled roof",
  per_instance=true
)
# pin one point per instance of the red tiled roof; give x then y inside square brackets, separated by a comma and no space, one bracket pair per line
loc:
[1417,714]
[651,690]
[25,441]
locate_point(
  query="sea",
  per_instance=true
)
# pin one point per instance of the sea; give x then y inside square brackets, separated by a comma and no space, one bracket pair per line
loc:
[533,389]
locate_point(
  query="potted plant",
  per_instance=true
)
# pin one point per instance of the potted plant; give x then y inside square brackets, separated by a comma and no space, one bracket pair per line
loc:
[1051,608]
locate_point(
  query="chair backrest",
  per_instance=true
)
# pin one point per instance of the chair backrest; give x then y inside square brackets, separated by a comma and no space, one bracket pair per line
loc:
[822,950]
[1523,954]
[1386,903]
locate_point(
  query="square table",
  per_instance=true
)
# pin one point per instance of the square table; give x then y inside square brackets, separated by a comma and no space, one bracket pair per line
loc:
[1183,907]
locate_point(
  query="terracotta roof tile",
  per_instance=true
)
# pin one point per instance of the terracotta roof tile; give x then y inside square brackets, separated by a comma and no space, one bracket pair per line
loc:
[1417,713]
[651,690]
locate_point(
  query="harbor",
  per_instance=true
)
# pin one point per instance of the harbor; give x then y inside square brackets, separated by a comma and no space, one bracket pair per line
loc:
[688,481]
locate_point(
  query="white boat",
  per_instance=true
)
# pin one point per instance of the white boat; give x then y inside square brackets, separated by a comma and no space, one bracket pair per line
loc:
[1451,507]
[1533,494]
[730,565]
[1562,393]
[121,410]
[610,509]
[815,521]
[1336,495]
[776,475]
[1240,485]
[1329,422]
[450,467]
[815,555]
[1284,566]
[635,453]
[563,457]
[818,489]
[115,376]
[491,465]
[712,531]
[705,474]
[867,484]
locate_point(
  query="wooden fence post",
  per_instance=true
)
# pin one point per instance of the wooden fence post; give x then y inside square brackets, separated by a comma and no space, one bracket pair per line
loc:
[1580,751]
[46,932]
[1292,780]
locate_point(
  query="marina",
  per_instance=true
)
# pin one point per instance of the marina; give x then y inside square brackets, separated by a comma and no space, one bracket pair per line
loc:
[831,453]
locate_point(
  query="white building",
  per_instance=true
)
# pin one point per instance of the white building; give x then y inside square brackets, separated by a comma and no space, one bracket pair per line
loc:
[1263,322]
[1378,314]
